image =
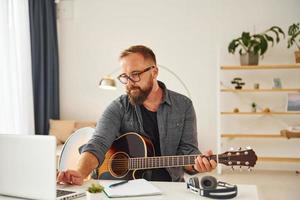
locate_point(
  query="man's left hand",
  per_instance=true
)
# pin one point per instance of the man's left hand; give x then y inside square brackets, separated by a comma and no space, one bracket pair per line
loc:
[202,164]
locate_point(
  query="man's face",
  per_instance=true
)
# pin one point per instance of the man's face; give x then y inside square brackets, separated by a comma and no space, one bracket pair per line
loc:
[131,66]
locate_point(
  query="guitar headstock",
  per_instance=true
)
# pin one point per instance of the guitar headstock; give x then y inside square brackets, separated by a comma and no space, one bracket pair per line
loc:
[239,157]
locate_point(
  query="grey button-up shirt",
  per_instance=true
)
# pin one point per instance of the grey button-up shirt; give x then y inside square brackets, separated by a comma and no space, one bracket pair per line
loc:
[176,124]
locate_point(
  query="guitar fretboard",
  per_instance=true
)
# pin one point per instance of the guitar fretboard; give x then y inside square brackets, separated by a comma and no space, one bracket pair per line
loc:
[163,161]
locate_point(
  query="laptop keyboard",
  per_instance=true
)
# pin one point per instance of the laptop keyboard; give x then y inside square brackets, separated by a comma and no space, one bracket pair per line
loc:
[60,193]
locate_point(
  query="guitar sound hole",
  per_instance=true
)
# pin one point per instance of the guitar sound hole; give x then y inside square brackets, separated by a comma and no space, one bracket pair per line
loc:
[119,165]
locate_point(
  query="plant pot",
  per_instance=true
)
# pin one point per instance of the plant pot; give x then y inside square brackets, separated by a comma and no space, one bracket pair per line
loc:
[93,196]
[297,56]
[249,59]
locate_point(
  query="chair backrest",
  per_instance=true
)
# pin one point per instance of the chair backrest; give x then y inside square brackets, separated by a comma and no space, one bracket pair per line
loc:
[70,151]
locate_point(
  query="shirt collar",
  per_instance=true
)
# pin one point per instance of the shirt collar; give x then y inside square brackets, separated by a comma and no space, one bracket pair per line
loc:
[166,97]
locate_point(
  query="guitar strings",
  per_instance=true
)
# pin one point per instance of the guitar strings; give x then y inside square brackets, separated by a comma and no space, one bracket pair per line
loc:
[149,159]
[164,161]
[168,157]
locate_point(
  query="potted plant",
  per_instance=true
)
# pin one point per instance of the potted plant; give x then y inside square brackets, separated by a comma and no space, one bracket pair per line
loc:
[94,191]
[255,45]
[238,82]
[294,33]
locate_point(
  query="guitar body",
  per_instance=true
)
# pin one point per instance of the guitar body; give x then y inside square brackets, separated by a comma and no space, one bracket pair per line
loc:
[115,164]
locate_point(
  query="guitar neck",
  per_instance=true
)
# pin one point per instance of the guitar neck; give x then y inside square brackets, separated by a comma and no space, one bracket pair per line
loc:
[164,161]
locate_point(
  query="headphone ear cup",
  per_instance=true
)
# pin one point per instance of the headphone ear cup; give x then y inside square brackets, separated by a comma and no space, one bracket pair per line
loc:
[195,182]
[209,182]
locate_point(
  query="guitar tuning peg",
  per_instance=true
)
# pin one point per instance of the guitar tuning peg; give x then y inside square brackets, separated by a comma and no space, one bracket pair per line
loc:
[240,148]
[241,169]
[232,168]
[248,147]
[249,169]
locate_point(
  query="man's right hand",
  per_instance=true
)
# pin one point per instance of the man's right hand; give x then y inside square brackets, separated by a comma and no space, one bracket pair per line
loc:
[72,177]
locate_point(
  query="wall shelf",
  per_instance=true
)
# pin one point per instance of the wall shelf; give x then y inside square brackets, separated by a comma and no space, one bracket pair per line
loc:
[247,135]
[262,90]
[261,131]
[262,67]
[279,159]
[260,113]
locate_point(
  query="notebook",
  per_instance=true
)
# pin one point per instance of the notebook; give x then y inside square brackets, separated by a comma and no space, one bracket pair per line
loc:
[28,168]
[136,187]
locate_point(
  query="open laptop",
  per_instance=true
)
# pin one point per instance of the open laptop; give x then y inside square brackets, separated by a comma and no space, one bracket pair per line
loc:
[28,168]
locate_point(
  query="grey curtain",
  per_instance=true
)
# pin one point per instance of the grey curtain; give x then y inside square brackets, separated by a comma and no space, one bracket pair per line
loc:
[45,68]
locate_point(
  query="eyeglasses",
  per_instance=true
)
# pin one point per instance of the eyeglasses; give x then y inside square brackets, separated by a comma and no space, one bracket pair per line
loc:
[133,77]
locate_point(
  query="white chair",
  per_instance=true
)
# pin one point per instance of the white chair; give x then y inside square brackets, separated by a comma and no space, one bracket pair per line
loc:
[70,151]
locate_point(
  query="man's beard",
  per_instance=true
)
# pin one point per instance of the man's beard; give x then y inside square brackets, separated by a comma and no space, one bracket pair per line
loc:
[139,95]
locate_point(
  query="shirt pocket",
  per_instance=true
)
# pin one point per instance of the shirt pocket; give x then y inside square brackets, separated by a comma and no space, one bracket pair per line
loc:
[174,133]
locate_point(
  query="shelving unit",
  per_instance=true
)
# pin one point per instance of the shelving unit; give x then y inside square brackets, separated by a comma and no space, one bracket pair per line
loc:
[262,67]
[260,134]
[279,159]
[247,135]
[260,113]
[296,90]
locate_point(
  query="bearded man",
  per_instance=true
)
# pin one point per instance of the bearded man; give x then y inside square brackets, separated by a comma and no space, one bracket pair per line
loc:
[164,117]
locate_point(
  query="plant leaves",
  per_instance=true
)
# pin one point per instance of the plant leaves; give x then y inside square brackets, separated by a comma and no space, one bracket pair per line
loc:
[232,46]
[293,29]
[246,38]
[95,188]
[294,32]
[256,49]
[277,35]
[262,45]
[278,30]
[270,39]
[240,52]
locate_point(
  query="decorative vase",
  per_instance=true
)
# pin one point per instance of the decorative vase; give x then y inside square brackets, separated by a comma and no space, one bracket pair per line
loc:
[236,110]
[93,196]
[249,59]
[297,56]
[267,110]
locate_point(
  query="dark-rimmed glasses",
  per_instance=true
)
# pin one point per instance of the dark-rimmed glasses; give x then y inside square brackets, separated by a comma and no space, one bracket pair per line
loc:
[134,76]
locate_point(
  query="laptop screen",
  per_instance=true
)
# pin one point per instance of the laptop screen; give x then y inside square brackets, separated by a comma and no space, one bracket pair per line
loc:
[28,166]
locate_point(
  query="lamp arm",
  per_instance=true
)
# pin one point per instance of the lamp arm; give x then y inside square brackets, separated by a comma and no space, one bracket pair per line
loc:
[178,78]
[114,71]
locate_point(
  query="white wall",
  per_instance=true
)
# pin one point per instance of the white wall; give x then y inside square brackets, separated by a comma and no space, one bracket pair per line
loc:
[190,37]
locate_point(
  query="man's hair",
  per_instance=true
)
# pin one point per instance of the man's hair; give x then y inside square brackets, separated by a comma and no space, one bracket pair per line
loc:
[146,52]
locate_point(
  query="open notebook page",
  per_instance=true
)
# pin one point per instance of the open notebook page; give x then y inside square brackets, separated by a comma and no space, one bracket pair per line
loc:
[136,187]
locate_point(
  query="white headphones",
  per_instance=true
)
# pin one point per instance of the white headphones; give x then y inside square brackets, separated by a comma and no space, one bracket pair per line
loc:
[209,188]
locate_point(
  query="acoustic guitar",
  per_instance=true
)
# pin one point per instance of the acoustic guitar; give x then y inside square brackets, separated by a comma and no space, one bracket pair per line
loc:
[131,154]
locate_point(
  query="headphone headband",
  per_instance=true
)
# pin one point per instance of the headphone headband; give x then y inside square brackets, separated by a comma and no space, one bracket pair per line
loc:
[209,188]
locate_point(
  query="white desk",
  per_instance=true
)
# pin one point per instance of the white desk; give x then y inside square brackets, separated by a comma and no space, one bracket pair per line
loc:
[175,190]
[170,191]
